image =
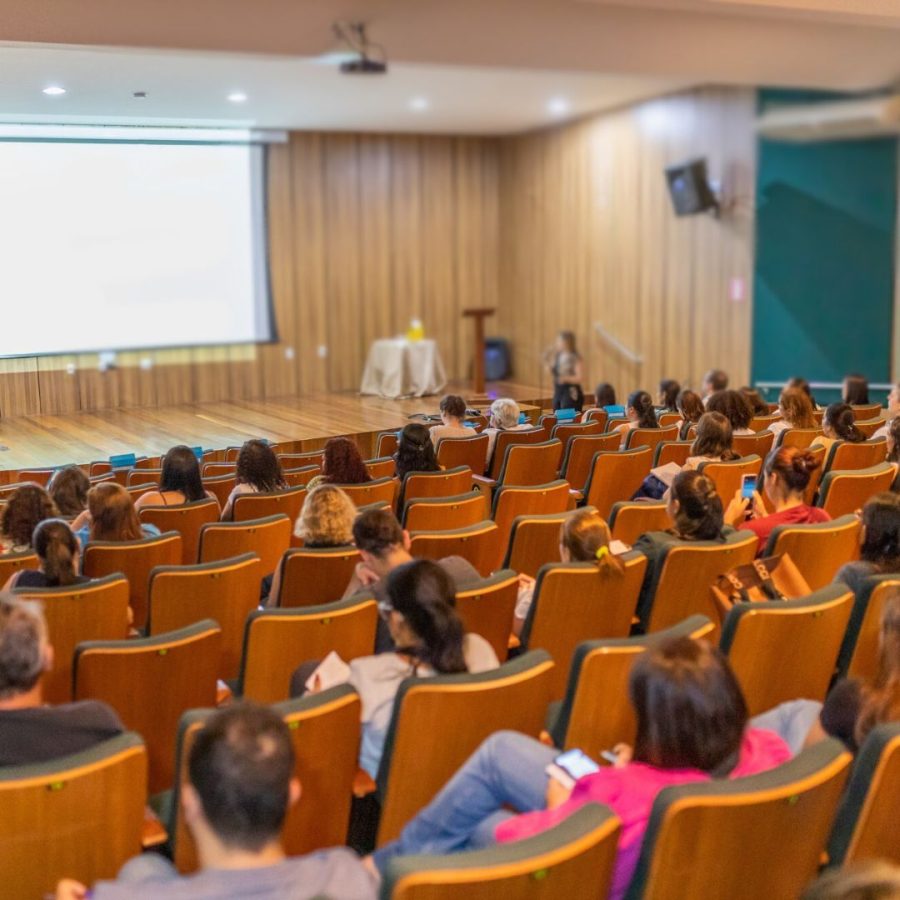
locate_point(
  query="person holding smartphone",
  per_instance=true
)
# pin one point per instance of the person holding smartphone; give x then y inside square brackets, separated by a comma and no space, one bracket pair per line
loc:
[691,726]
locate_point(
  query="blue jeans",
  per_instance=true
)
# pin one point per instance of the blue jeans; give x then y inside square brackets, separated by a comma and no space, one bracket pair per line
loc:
[791,721]
[506,770]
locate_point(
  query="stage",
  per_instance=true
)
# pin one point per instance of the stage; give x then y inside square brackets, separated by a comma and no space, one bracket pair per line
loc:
[302,423]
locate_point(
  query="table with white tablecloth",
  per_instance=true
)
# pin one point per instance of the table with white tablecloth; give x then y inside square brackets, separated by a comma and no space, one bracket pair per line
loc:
[397,367]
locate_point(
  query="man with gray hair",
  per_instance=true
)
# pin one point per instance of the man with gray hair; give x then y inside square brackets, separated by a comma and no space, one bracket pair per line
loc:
[504,416]
[29,731]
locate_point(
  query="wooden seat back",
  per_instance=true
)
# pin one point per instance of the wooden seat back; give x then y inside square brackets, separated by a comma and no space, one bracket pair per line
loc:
[759,444]
[843,493]
[672,452]
[135,560]
[526,464]
[817,550]
[650,437]
[861,649]
[768,831]
[448,483]
[533,542]
[579,457]
[220,486]
[486,608]
[468,451]
[268,538]
[438,513]
[226,591]
[727,476]
[787,649]
[479,544]
[97,610]
[277,641]
[418,759]
[270,503]
[504,440]
[510,502]
[381,490]
[311,576]
[797,437]
[845,456]
[381,467]
[616,476]
[76,817]
[185,518]
[10,563]
[573,603]
[629,519]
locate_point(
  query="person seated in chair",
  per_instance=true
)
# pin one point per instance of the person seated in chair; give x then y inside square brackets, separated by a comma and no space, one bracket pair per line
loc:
[241,786]
[179,481]
[453,413]
[31,732]
[504,416]
[258,471]
[59,553]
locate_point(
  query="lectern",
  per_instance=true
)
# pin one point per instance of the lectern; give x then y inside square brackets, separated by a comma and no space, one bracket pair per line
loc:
[478,316]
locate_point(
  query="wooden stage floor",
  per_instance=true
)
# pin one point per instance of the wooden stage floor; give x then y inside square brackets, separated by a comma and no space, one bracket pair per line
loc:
[307,421]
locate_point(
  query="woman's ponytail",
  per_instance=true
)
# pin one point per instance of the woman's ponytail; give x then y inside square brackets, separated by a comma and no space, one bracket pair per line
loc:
[57,548]
[586,537]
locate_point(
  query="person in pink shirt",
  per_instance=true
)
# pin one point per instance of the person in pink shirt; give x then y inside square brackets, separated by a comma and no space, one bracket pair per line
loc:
[691,726]
[786,475]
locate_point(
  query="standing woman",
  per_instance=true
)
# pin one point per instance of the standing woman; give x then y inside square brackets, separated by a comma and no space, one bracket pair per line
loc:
[567,369]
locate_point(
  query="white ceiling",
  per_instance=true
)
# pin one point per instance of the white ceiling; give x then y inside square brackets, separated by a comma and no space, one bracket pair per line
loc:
[185,87]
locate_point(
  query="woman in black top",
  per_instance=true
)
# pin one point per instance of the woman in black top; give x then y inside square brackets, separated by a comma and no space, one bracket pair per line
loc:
[57,549]
[567,370]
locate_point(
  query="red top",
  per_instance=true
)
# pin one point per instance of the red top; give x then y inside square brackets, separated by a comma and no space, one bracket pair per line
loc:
[795,515]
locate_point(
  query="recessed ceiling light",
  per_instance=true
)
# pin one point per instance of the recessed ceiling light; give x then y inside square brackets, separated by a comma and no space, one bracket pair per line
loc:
[419,104]
[558,106]
[54,90]
[237,97]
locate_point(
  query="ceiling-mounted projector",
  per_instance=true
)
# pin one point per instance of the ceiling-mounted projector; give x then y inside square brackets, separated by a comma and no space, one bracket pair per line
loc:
[353,34]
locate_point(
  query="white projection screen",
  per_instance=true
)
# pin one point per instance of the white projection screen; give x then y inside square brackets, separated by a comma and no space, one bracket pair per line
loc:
[131,245]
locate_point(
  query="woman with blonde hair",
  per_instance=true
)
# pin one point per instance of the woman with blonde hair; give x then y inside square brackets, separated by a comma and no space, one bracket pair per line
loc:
[796,411]
[583,537]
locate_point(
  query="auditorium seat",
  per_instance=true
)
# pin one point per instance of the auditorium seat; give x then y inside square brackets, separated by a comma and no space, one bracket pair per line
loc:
[439,722]
[596,713]
[865,411]
[10,563]
[784,650]
[150,682]
[844,455]
[668,418]
[447,483]
[486,608]
[565,431]
[215,469]
[479,544]
[306,458]
[36,476]
[386,443]
[226,592]
[143,476]
[843,493]
[866,824]
[649,437]
[383,490]
[760,836]
[672,452]
[615,476]
[185,518]
[728,476]
[301,476]
[860,651]
[311,576]
[525,464]
[512,501]
[269,503]
[534,541]
[579,454]
[505,440]
[753,444]
[135,560]
[797,437]
[815,479]
[78,817]
[572,859]
[277,641]
[817,550]
[381,467]
[220,486]
[629,519]
[467,451]
[686,573]
[869,426]
[437,513]
[268,538]
[573,603]
[324,730]
[761,423]
[596,415]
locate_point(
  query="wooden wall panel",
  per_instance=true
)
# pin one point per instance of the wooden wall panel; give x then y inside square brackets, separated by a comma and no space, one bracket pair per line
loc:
[588,235]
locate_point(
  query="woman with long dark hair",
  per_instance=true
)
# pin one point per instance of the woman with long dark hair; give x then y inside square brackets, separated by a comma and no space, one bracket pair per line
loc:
[879,551]
[342,463]
[415,452]
[68,488]
[838,424]
[179,481]
[690,406]
[855,390]
[640,413]
[669,389]
[567,368]
[691,727]
[258,472]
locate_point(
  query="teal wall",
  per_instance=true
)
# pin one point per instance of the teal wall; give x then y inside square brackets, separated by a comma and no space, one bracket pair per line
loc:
[824,257]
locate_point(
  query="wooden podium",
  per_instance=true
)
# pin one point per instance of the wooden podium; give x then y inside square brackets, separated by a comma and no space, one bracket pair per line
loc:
[478,316]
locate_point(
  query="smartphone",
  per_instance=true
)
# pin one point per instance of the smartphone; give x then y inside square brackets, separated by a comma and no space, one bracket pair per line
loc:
[568,767]
[748,486]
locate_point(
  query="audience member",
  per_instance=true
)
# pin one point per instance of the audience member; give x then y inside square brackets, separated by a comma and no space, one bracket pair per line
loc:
[691,727]
[342,463]
[504,416]
[58,552]
[838,424]
[879,552]
[786,475]
[855,390]
[735,407]
[892,412]
[258,472]
[754,398]
[691,408]
[415,452]
[668,394]
[31,732]
[640,413]
[567,368]
[428,634]
[803,384]
[453,414]
[241,786]
[605,395]
[583,537]
[871,879]
[111,516]
[27,507]
[68,488]
[796,411]
[179,481]
[714,380]
[893,443]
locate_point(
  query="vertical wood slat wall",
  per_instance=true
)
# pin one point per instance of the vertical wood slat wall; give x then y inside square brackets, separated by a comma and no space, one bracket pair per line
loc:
[558,228]
[588,235]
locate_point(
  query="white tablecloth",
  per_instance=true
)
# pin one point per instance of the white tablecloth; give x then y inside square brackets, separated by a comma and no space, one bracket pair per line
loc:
[401,368]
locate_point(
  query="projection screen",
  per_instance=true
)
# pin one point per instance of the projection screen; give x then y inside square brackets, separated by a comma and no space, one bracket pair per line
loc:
[134,244]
